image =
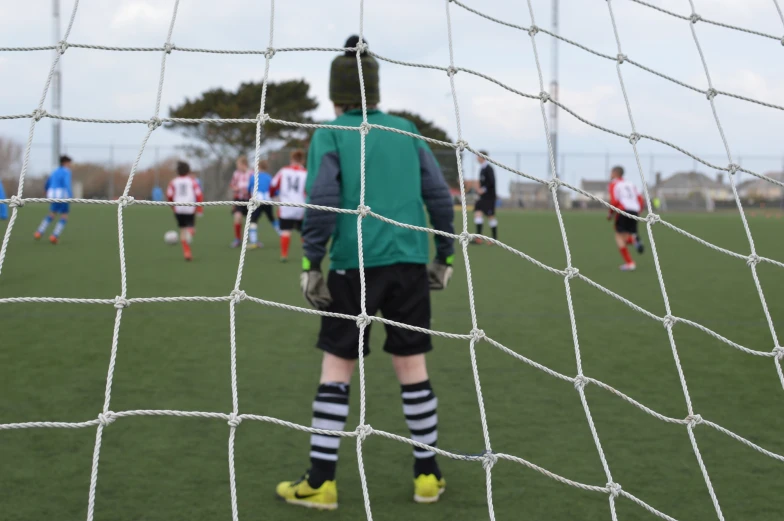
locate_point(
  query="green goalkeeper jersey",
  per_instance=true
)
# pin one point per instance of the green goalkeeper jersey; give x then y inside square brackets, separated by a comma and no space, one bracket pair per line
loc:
[402,179]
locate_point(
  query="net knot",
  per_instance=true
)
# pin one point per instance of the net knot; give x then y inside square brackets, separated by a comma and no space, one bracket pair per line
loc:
[238,296]
[234,420]
[695,18]
[634,137]
[466,238]
[363,210]
[451,71]
[253,203]
[778,352]
[62,46]
[16,202]
[168,47]
[620,58]
[364,128]
[461,145]
[125,200]
[669,321]
[553,184]
[733,168]
[614,489]
[693,420]
[362,47]
[38,114]
[477,334]
[363,320]
[363,431]
[544,96]
[121,303]
[262,118]
[533,30]
[154,123]
[711,93]
[652,218]
[753,260]
[488,459]
[571,273]
[580,381]
[269,52]
[106,418]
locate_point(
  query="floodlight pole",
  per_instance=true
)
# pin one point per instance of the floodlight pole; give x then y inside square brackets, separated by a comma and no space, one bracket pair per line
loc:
[56,87]
[554,88]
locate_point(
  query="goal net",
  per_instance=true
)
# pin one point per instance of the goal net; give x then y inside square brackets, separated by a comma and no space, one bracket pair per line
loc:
[613,490]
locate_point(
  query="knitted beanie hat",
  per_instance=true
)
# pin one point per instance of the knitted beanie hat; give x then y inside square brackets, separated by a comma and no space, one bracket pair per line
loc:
[344,88]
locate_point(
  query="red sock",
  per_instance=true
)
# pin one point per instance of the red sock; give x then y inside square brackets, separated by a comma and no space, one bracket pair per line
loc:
[238,231]
[625,255]
[630,239]
[186,249]
[284,245]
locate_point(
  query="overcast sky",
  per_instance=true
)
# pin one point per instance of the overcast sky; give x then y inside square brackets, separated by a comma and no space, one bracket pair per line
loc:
[123,85]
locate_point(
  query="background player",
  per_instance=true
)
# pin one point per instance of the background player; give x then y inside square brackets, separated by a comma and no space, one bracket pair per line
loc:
[403,178]
[263,194]
[624,196]
[3,207]
[289,185]
[185,189]
[58,186]
[485,206]
[239,187]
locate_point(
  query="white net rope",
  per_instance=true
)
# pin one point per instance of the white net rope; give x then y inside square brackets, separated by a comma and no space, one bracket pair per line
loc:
[488,458]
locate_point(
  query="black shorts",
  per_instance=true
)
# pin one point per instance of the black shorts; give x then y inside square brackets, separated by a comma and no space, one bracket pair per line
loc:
[486,206]
[241,209]
[291,224]
[625,225]
[401,292]
[264,209]
[185,220]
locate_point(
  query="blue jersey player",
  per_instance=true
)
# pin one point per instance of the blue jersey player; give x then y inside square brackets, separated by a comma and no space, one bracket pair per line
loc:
[263,194]
[58,186]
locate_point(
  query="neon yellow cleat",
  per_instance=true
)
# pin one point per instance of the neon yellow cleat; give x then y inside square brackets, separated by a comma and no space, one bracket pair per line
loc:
[428,488]
[301,493]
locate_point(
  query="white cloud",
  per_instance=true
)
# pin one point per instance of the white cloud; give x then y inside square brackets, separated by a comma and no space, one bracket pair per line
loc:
[140,13]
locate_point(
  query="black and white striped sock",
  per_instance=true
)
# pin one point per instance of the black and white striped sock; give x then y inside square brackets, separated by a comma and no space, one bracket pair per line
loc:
[419,407]
[330,410]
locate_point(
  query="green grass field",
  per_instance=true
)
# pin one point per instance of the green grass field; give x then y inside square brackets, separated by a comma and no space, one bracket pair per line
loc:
[54,359]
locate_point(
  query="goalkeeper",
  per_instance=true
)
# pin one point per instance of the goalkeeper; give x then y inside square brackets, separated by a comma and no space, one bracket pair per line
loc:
[402,179]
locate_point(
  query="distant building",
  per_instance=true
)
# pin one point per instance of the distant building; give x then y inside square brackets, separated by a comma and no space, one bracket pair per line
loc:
[524,194]
[691,191]
[761,190]
[597,189]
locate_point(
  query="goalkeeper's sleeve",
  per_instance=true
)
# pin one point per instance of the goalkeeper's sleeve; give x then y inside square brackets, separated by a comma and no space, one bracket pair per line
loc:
[438,201]
[323,189]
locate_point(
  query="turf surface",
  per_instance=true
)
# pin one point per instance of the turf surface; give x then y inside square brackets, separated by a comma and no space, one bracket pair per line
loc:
[54,359]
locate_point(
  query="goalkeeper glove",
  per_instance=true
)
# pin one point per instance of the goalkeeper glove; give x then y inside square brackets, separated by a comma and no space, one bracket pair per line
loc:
[313,286]
[439,272]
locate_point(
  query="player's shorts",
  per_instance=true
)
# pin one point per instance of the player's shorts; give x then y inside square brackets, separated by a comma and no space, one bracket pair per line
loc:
[400,291]
[185,220]
[291,224]
[59,208]
[264,209]
[241,209]
[625,225]
[486,206]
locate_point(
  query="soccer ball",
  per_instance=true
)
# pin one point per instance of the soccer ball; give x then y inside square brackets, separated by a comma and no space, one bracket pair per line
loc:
[170,237]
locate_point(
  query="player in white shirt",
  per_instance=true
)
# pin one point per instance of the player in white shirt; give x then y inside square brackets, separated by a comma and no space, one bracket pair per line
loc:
[185,189]
[289,185]
[624,196]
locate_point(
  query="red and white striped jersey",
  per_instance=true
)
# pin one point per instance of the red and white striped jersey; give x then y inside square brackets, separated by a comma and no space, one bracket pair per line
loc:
[289,185]
[239,184]
[624,196]
[185,189]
